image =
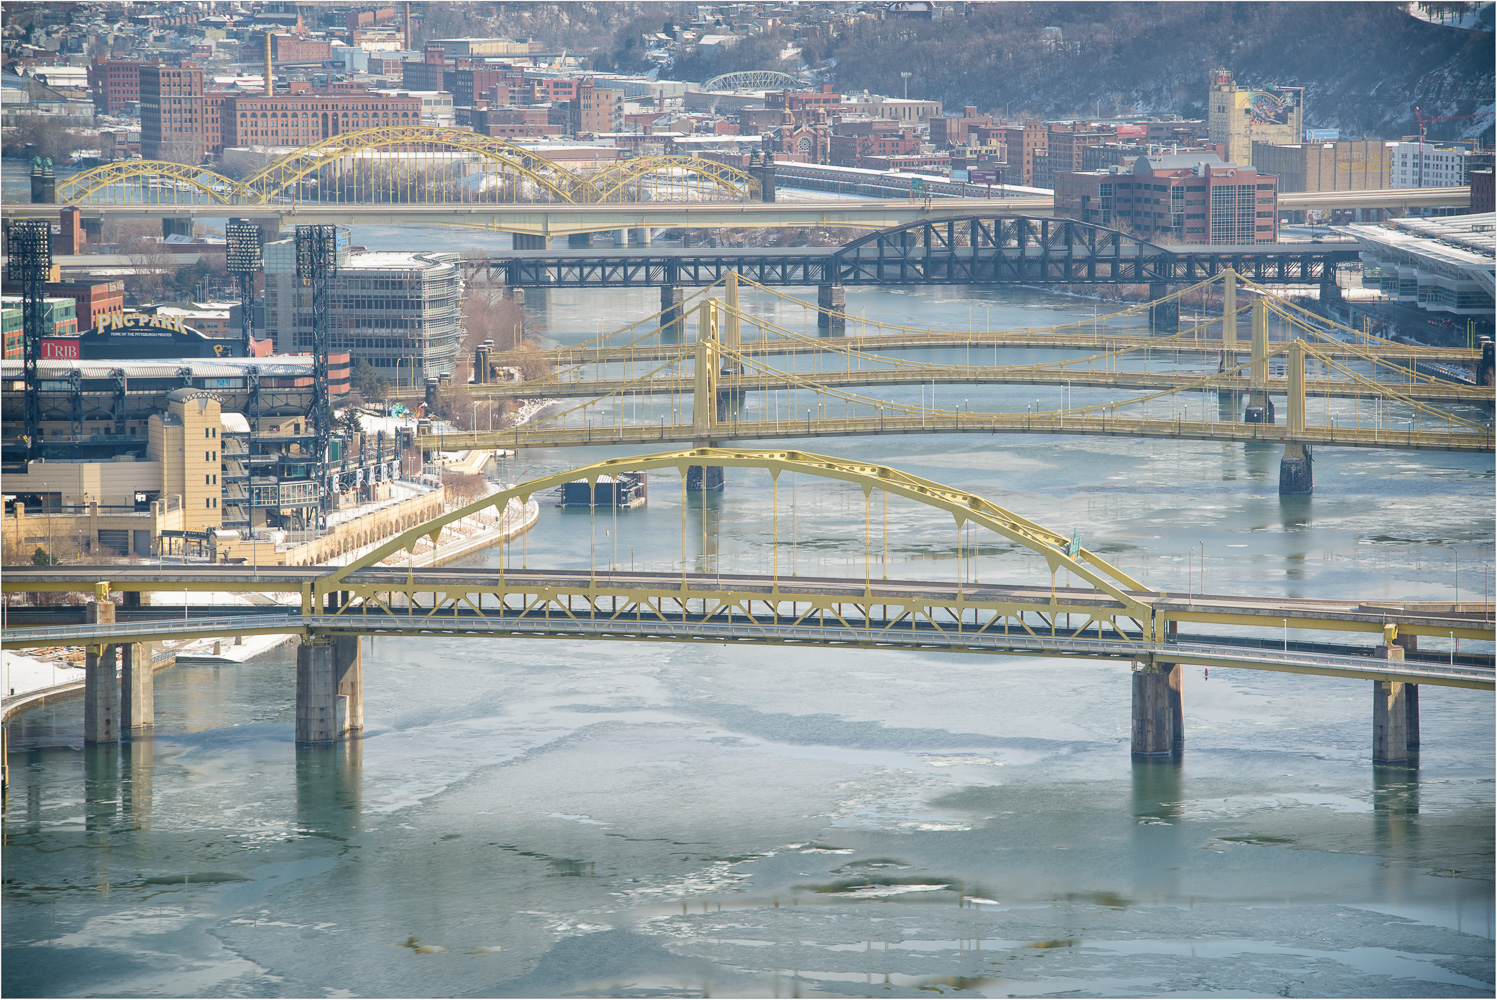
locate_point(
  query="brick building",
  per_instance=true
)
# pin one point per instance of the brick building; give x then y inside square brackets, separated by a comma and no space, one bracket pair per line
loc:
[306,118]
[596,109]
[115,83]
[1352,165]
[514,123]
[299,49]
[1192,198]
[1021,145]
[171,113]
[800,105]
[857,140]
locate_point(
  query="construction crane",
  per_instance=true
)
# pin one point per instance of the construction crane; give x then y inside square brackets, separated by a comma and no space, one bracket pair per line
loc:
[1423,121]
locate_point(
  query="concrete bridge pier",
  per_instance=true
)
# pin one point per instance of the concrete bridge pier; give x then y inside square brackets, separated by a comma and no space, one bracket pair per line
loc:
[1297,470]
[138,687]
[101,689]
[640,237]
[1395,711]
[329,689]
[1259,408]
[101,694]
[833,301]
[1158,711]
[621,237]
[704,478]
[672,323]
[176,227]
[579,241]
[527,241]
[1164,317]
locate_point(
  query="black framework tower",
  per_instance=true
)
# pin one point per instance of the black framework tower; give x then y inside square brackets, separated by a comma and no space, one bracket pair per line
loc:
[244,259]
[29,248]
[316,258]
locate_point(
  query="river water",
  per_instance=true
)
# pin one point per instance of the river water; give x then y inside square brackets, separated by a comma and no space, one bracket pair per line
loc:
[549,818]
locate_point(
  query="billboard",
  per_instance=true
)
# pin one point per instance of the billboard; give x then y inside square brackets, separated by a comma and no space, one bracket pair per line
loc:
[983,175]
[59,349]
[1322,134]
[1274,105]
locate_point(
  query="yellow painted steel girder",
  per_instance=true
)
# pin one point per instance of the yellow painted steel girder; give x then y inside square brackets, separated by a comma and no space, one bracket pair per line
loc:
[275,178]
[964,506]
[615,177]
[80,187]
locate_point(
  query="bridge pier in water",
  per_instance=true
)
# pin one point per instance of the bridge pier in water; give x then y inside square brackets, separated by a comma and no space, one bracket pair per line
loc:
[1158,710]
[527,241]
[672,321]
[1164,316]
[833,314]
[101,690]
[137,686]
[1395,710]
[329,689]
[1297,470]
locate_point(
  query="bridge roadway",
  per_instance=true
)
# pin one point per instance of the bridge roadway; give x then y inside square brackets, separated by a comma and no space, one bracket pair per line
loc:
[894,420]
[872,264]
[1430,392]
[1017,339]
[891,626]
[562,219]
[1469,620]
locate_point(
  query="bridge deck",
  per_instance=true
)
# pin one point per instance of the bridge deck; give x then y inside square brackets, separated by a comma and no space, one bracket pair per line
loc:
[1471,619]
[1203,651]
[964,375]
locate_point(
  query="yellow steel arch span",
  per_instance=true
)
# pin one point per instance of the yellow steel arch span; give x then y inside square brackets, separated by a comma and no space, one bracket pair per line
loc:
[81,187]
[963,506]
[274,179]
[614,178]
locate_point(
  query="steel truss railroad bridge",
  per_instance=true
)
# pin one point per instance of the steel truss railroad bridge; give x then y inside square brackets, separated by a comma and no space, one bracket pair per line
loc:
[1085,607]
[956,250]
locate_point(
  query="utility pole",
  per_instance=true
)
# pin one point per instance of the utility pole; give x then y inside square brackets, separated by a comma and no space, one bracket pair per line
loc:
[905,75]
[29,248]
[316,259]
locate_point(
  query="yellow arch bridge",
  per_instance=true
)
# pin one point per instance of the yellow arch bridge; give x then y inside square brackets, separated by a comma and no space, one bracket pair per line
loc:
[1071,604]
[409,165]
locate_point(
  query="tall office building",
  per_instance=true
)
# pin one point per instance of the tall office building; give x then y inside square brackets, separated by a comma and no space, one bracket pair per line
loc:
[1238,117]
[399,311]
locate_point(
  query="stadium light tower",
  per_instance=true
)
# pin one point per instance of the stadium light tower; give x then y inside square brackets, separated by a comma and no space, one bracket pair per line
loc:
[316,259]
[28,247]
[244,259]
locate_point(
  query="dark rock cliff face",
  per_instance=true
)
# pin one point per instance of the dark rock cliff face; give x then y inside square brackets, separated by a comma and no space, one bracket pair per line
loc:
[1364,65]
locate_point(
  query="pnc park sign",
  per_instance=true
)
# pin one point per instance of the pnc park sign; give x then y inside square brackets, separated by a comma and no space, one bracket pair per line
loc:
[140,325]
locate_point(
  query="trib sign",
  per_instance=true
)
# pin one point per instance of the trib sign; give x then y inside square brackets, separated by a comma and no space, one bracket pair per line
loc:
[60,349]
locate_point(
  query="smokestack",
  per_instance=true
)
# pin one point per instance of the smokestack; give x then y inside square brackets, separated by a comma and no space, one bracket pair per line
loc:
[269,77]
[408,27]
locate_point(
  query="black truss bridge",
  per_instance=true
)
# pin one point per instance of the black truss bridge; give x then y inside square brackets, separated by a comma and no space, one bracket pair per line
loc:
[966,250]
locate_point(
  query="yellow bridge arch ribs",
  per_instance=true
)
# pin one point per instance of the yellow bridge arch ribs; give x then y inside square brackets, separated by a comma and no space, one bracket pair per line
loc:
[282,176]
[1052,546]
[175,179]
[616,178]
